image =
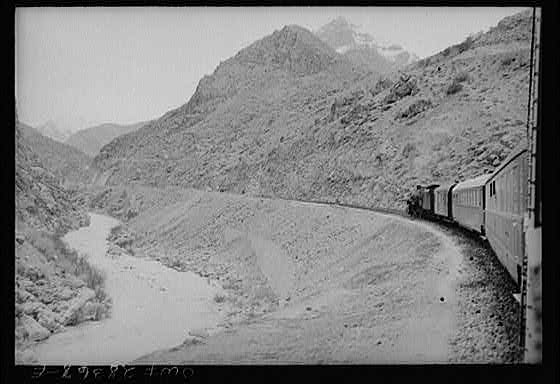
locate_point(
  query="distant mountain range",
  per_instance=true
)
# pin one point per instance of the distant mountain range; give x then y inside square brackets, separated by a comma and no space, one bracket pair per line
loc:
[50,129]
[91,140]
[362,48]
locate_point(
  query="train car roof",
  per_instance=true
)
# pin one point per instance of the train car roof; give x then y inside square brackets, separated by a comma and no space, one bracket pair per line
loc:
[445,186]
[518,150]
[472,183]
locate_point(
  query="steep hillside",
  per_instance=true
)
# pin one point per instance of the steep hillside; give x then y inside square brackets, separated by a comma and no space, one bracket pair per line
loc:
[361,48]
[54,287]
[68,164]
[290,117]
[91,140]
[41,200]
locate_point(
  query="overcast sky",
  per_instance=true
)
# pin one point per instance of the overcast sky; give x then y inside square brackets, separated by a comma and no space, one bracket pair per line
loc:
[85,66]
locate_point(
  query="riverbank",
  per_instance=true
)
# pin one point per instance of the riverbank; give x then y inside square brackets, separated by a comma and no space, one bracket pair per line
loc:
[153,306]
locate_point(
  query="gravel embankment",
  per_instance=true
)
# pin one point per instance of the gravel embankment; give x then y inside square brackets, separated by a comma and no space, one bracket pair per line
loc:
[488,321]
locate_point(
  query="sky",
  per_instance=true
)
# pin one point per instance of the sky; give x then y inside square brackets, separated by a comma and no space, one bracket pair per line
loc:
[80,67]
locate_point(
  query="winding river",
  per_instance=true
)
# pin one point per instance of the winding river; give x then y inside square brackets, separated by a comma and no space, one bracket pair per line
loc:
[154,307]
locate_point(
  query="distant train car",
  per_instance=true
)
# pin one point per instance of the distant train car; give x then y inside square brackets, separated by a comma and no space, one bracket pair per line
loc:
[442,200]
[506,192]
[468,203]
[428,199]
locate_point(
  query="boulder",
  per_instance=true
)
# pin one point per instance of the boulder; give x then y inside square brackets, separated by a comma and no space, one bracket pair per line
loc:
[20,238]
[73,282]
[48,320]
[31,308]
[199,332]
[23,296]
[33,330]
[65,294]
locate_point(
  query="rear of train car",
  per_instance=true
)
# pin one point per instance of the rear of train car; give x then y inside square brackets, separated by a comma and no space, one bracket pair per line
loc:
[442,201]
[468,203]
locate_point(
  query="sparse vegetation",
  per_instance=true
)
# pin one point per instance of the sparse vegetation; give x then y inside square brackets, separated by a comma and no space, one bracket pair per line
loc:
[461,77]
[453,88]
[414,109]
[381,85]
[220,298]
[507,60]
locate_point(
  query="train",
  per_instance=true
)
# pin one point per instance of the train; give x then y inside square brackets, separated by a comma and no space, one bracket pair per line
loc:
[492,205]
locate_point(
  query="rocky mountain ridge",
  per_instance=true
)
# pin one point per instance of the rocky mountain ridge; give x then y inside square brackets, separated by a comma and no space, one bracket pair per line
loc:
[290,117]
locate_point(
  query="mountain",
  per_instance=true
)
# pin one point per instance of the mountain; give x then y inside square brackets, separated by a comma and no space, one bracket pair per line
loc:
[49,129]
[90,140]
[362,48]
[68,164]
[261,92]
[290,117]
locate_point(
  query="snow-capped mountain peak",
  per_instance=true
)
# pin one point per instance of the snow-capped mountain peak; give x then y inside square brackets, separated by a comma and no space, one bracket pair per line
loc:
[347,38]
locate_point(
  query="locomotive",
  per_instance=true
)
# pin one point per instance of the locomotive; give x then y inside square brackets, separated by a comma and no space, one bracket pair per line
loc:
[491,205]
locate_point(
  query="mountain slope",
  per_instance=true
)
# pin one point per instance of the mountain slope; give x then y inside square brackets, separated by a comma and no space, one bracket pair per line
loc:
[41,200]
[67,163]
[91,140]
[262,124]
[362,48]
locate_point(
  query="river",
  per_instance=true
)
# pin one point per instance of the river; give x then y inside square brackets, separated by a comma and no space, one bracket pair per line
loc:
[154,307]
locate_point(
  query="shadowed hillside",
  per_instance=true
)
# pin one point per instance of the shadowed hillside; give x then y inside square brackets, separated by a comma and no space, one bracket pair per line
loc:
[68,164]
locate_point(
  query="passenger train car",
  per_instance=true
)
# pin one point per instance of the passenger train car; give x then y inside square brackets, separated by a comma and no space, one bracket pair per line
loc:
[491,205]
[506,202]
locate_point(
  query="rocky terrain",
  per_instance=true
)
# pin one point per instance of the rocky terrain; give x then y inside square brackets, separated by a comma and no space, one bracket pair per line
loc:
[91,140]
[290,117]
[68,164]
[54,287]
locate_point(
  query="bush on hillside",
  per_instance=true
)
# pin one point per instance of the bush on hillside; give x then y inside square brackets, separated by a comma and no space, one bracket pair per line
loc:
[466,45]
[414,109]
[453,88]
[461,77]
[507,60]
[406,86]
[381,85]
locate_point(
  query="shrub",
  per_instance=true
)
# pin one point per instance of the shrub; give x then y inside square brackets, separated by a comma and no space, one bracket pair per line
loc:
[219,298]
[466,45]
[453,88]
[380,86]
[461,76]
[507,60]
[408,149]
[415,108]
